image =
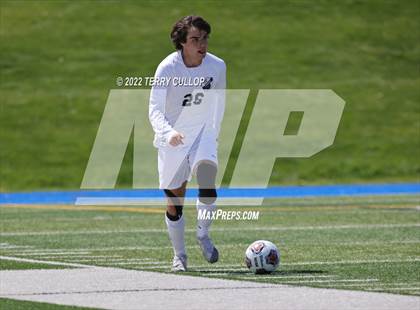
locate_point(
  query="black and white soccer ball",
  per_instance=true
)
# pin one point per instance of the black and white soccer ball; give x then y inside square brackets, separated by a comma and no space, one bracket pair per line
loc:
[262,256]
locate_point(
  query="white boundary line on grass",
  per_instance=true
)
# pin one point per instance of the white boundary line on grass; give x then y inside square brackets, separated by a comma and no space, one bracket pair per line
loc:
[102,249]
[34,252]
[7,246]
[160,230]
[113,260]
[75,257]
[139,263]
[254,277]
[395,289]
[35,261]
[381,285]
[225,267]
[344,262]
[329,281]
[54,253]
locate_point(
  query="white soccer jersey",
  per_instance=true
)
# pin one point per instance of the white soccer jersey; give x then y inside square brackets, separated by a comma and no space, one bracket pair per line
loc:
[178,87]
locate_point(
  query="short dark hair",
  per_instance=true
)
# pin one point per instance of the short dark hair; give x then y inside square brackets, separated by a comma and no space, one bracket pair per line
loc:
[180,29]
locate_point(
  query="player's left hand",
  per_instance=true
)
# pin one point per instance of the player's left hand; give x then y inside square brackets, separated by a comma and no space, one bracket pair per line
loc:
[176,139]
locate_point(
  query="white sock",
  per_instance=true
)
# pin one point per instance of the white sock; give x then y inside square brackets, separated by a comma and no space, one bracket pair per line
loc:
[203,226]
[176,234]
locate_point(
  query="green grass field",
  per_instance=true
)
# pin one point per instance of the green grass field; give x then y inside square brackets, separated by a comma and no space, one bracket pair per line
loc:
[365,243]
[24,305]
[59,60]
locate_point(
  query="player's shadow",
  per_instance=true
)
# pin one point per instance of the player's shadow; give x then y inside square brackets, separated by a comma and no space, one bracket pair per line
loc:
[233,272]
[295,272]
[221,272]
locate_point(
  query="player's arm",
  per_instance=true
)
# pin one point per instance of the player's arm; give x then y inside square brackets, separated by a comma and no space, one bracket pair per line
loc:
[164,131]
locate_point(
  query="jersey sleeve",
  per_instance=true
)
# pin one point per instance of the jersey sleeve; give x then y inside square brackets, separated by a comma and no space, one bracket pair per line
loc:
[157,103]
[221,97]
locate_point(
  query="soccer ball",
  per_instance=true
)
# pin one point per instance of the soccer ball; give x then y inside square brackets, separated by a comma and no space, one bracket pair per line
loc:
[262,257]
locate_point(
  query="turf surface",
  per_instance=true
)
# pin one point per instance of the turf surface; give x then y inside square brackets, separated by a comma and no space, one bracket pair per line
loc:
[16,265]
[365,243]
[24,305]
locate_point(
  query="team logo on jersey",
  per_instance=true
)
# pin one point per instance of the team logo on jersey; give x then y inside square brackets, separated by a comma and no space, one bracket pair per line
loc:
[207,83]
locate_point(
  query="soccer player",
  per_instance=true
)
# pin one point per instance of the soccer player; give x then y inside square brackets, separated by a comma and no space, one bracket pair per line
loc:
[186,120]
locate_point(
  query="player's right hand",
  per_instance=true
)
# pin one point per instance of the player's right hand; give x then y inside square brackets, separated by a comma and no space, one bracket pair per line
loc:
[176,139]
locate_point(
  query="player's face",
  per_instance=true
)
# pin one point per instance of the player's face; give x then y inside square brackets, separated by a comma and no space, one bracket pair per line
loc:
[195,47]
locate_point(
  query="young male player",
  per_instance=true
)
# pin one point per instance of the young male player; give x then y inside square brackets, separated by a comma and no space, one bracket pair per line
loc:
[186,125]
